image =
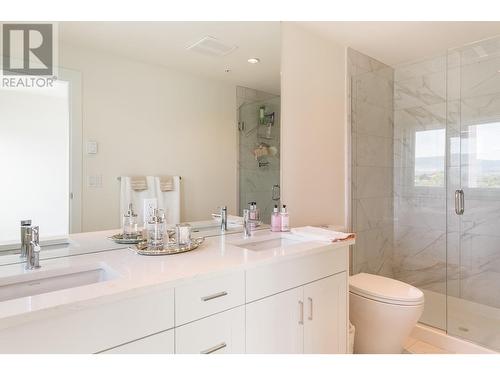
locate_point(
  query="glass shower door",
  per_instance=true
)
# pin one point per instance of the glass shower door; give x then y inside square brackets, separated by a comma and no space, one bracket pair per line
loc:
[473,179]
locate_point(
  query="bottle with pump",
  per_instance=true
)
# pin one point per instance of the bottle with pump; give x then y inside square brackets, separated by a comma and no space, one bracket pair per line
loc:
[129,223]
[276,220]
[285,219]
[254,214]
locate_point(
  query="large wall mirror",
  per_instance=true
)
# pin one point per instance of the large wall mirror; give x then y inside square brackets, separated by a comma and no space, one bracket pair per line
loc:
[187,113]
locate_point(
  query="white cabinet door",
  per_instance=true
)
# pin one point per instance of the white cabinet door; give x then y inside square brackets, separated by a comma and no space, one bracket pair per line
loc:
[275,324]
[220,333]
[325,310]
[159,343]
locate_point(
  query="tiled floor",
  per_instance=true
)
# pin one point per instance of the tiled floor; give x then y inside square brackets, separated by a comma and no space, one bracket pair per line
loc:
[414,346]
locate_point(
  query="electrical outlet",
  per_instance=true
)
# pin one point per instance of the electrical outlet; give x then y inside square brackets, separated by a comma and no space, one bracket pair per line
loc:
[149,206]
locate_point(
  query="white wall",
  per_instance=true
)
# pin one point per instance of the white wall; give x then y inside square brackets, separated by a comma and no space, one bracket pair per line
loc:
[152,120]
[313,136]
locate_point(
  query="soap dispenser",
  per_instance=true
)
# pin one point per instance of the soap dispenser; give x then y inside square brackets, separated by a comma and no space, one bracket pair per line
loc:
[276,220]
[156,229]
[285,219]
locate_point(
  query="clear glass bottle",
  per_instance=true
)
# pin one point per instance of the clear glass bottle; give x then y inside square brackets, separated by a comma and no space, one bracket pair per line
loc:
[156,229]
[285,219]
[129,223]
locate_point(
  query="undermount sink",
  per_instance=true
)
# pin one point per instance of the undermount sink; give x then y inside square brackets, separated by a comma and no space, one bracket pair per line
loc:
[274,243]
[33,283]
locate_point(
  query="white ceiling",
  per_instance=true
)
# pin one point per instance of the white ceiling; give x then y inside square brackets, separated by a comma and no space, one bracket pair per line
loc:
[165,43]
[397,42]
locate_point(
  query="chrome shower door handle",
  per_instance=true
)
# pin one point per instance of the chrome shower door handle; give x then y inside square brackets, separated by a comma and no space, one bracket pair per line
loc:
[459,202]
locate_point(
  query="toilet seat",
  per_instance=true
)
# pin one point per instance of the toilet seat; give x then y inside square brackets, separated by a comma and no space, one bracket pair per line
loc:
[383,289]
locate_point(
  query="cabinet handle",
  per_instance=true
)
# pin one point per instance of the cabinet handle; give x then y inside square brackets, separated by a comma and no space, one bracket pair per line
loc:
[310,308]
[213,349]
[301,312]
[213,296]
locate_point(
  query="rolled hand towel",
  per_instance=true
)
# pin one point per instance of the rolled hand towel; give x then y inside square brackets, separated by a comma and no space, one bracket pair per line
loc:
[166,183]
[138,183]
[321,234]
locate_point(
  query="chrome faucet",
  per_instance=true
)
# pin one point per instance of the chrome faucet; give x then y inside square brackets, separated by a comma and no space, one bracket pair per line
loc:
[24,245]
[247,227]
[32,238]
[223,218]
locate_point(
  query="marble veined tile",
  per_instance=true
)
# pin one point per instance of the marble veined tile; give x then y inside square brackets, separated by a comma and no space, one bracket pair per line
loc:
[480,79]
[373,251]
[370,119]
[420,91]
[373,213]
[373,151]
[420,68]
[373,182]
[372,88]
[421,212]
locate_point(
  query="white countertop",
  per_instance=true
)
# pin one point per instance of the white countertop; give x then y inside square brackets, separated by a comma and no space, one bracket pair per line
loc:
[134,272]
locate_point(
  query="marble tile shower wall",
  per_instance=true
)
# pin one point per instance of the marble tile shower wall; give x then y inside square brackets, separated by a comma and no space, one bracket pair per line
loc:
[371,119]
[419,254]
[257,179]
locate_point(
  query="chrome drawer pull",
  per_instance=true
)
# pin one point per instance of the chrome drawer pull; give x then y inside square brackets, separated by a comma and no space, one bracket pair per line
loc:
[310,308]
[301,312]
[213,349]
[213,296]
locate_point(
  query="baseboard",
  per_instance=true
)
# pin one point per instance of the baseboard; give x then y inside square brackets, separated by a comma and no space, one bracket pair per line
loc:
[449,343]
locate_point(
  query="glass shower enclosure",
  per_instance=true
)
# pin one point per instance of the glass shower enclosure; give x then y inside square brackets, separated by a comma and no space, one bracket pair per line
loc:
[473,176]
[425,182]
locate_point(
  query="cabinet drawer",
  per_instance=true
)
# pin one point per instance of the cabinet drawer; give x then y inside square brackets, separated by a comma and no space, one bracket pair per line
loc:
[209,296]
[217,334]
[159,343]
[95,326]
[263,281]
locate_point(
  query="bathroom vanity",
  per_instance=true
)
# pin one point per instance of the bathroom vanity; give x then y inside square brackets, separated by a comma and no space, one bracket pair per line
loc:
[271,293]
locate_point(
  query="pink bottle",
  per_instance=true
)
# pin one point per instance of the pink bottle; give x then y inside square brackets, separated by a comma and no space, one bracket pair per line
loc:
[276,220]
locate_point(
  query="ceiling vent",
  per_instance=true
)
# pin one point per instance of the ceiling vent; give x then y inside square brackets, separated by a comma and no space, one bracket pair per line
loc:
[210,46]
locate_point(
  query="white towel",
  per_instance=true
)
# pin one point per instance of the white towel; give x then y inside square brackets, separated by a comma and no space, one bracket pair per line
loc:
[170,201]
[321,234]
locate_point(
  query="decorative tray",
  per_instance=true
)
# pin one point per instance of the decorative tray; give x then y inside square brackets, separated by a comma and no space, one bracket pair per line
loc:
[118,238]
[172,248]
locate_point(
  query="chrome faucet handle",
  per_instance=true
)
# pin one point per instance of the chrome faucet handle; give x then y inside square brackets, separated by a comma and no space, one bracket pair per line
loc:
[247,227]
[223,218]
[36,235]
[33,256]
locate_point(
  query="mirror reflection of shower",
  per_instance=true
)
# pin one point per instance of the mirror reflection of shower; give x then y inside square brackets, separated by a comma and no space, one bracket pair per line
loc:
[259,144]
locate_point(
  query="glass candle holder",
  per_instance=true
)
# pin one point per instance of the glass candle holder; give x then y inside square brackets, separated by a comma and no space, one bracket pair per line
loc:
[183,234]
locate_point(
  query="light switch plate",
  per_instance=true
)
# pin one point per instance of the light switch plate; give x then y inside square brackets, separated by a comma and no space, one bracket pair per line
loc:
[92,147]
[94,181]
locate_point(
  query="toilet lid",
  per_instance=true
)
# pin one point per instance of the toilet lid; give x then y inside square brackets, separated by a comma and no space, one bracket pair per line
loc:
[386,290]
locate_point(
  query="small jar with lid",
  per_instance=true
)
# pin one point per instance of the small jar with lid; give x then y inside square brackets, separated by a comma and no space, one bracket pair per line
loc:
[129,223]
[156,229]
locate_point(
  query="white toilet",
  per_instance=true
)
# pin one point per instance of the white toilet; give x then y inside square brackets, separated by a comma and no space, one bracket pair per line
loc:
[384,312]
